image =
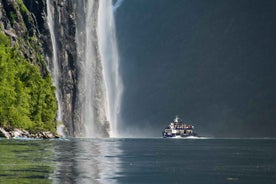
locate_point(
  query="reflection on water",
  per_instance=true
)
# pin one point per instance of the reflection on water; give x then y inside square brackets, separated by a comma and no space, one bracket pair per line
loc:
[26,161]
[151,161]
[63,161]
[87,161]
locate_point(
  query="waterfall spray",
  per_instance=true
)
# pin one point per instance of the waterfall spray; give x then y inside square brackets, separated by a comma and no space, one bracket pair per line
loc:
[110,59]
[54,66]
[117,5]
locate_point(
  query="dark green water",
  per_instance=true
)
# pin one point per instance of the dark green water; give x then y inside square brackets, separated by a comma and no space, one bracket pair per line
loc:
[138,161]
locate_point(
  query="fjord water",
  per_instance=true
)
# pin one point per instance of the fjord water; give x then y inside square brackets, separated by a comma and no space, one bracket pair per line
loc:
[138,161]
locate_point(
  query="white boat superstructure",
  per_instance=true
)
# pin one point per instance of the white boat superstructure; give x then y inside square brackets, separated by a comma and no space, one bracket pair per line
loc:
[178,129]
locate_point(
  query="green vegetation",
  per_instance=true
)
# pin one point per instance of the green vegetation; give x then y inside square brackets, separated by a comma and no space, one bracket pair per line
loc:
[26,162]
[22,6]
[13,17]
[27,100]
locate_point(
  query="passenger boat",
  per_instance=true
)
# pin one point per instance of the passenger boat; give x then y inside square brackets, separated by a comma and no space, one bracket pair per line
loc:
[178,129]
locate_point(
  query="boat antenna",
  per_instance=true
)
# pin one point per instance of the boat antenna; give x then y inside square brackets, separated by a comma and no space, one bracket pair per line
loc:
[176,119]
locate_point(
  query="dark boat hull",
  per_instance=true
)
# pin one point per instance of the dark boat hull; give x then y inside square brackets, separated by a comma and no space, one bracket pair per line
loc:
[165,135]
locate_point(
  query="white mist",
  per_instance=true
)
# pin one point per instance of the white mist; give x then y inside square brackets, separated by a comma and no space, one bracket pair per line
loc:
[110,60]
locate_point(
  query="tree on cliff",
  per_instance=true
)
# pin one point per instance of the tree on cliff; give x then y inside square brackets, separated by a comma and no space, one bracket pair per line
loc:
[27,100]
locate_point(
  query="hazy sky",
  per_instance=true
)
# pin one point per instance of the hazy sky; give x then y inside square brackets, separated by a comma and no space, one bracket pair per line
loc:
[212,62]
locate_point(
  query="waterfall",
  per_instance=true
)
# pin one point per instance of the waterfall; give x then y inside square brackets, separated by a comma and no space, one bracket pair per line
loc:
[54,67]
[96,106]
[99,83]
[110,59]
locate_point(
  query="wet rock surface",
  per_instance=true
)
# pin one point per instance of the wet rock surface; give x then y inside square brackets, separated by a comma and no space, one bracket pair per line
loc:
[10,133]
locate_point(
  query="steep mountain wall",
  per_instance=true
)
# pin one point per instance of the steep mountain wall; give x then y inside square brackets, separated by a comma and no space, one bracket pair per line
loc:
[65,30]
[79,71]
[26,90]
[60,36]
[26,29]
[25,23]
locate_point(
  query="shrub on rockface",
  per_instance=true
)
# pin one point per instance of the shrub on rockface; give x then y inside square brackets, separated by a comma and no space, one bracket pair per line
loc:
[27,100]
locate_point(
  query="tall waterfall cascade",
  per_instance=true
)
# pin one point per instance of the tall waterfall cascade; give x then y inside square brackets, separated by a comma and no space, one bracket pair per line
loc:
[110,59]
[98,87]
[54,68]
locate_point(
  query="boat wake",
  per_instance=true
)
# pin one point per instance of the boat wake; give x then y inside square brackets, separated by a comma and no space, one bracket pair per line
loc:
[190,137]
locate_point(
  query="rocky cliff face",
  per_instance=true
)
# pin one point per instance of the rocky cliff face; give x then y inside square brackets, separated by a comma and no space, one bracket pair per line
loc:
[26,29]
[80,78]
[65,30]
[25,22]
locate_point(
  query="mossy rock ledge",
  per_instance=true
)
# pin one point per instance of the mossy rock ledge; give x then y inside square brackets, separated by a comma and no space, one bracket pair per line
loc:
[11,133]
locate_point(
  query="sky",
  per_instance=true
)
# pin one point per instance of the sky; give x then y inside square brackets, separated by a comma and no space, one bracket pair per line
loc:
[211,62]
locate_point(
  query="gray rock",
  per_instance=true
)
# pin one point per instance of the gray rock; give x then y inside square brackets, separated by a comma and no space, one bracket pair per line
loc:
[4,133]
[21,133]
